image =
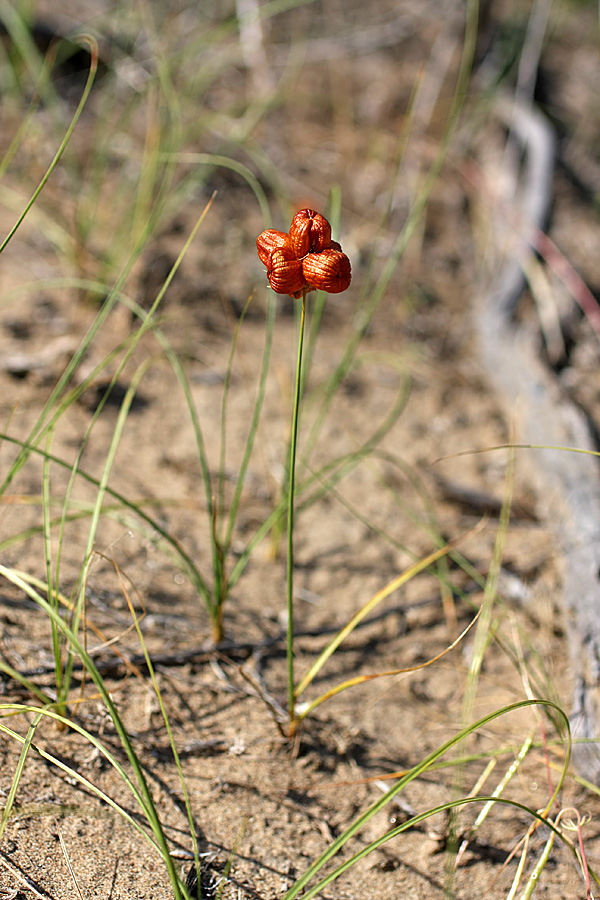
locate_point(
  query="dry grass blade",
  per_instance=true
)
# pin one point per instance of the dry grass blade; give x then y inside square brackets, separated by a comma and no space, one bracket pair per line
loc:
[368,607]
[306,708]
[22,878]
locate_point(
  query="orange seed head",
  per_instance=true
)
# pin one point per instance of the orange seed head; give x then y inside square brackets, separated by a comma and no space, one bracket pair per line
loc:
[268,241]
[328,270]
[310,232]
[284,272]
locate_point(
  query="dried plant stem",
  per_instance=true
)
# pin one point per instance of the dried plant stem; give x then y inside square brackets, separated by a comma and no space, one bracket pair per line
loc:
[290,525]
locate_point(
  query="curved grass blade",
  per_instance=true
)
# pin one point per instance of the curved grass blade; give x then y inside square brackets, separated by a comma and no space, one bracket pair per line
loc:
[97,510]
[364,611]
[413,773]
[93,45]
[17,709]
[12,793]
[77,647]
[184,558]
[361,679]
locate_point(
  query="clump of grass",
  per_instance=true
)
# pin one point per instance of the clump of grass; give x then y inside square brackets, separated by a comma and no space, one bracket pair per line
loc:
[138,210]
[135,779]
[156,195]
[541,817]
[319,874]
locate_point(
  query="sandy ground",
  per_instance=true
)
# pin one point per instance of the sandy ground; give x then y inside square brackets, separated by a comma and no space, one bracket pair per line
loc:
[270,806]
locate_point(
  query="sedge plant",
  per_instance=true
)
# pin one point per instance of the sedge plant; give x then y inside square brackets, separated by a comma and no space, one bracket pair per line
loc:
[302,260]
[158,193]
[146,821]
[297,262]
[313,881]
[168,173]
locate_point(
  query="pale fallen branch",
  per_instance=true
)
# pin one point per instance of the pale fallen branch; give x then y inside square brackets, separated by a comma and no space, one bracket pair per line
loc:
[567,484]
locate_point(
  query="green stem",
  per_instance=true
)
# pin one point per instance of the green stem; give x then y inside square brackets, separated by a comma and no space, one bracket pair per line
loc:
[93,45]
[290,527]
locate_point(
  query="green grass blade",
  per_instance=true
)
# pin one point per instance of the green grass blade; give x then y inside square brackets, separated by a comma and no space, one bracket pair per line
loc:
[415,772]
[184,559]
[216,161]
[416,820]
[97,507]
[77,647]
[262,384]
[52,596]
[33,689]
[16,708]
[91,42]
[183,784]
[533,880]
[12,793]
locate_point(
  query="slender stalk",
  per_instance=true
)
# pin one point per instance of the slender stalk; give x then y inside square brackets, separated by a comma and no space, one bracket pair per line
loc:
[93,45]
[290,526]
